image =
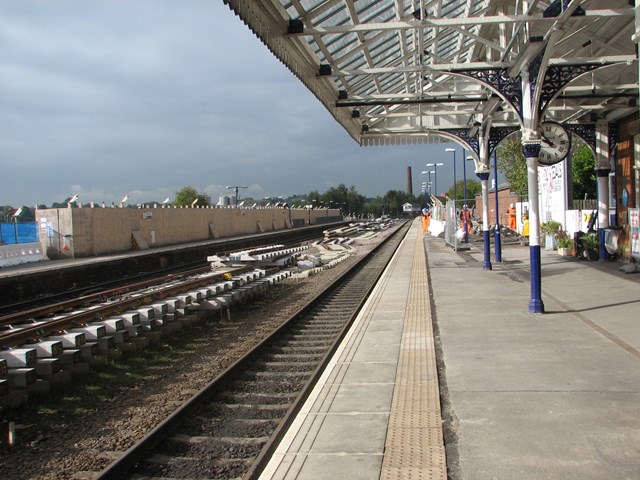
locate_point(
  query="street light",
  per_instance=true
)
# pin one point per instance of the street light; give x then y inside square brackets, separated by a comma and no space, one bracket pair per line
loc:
[455,188]
[236,187]
[435,175]
[15,222]
[424,187]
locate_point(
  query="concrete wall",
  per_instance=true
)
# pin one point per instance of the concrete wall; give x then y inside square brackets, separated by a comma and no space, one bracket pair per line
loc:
[86,232]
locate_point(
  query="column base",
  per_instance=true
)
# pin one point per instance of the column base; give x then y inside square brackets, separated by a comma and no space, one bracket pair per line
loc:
[535,304]
[486,264]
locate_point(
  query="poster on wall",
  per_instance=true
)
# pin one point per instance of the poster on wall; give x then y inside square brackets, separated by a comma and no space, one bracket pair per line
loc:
[552,189]
[634,231]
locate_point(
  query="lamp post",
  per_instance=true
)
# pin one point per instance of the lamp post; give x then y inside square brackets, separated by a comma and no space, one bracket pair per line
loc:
[15,223]
[236,188]
[72,199]
[435,175]
[427,186]
[455,187]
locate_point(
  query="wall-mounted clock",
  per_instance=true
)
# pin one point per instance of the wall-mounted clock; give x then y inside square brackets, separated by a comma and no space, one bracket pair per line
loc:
[556,143]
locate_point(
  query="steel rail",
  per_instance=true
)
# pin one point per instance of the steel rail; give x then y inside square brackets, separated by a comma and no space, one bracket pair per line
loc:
[20,336]
[38,312]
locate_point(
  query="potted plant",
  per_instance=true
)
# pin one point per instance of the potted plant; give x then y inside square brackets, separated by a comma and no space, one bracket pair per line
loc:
[565,244]
[550,229]
[591,244]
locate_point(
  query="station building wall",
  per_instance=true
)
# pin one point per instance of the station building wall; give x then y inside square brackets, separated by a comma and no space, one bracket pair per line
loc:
[506,197]
[86,232]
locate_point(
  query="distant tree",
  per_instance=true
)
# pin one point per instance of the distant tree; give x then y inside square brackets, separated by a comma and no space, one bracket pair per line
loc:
[393,201]
[314,198]
[473,187]
[374,207]
[583,174]
[346,199]
[513,165]
[187,195]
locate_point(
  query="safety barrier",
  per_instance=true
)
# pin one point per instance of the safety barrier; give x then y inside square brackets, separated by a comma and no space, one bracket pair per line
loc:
[20,253]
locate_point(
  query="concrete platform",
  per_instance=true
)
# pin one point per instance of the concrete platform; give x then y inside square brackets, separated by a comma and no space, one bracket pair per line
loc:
[516,395]
[375,412]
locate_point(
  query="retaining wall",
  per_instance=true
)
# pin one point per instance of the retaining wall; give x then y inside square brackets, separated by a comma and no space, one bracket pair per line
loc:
[86,232]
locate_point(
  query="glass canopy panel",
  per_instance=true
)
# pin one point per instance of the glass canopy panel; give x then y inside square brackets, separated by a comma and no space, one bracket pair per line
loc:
[363,59]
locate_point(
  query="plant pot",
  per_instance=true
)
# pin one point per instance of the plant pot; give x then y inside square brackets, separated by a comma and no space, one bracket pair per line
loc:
[592,254]
[564,251]
[549,242]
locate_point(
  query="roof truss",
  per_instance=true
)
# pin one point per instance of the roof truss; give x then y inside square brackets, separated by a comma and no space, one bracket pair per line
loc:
[392,71]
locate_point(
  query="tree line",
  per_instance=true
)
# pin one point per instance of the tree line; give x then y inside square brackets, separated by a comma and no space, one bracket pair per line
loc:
[511,162]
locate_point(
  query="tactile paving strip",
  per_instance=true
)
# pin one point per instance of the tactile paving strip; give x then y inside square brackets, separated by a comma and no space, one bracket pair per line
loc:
[414,447]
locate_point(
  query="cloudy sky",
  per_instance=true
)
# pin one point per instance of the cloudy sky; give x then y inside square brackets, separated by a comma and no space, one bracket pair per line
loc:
[141,98]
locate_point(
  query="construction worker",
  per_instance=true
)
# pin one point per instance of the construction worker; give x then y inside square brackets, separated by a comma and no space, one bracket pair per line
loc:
[465,218]
[512,217]
[426,219]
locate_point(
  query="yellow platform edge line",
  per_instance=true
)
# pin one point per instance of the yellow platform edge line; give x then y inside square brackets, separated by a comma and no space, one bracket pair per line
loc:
[407,459]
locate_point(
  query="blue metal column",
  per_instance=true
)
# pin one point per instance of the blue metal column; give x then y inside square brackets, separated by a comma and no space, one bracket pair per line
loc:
[497,239]
[464,194]
[484,181]
[532,152]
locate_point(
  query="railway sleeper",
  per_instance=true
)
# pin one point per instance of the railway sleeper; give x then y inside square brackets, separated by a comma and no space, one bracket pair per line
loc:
[302,365]
[325,328]
[253,411]
[294,357]
[297,376]
[295,349]
[191,468]
[253,398]
[267,387]
[187,446]
[323,325]
[308,341]
[310,338]
[232,427]
[311,341]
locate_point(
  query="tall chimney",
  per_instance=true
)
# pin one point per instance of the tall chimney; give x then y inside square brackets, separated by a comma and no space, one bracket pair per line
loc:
[409,182]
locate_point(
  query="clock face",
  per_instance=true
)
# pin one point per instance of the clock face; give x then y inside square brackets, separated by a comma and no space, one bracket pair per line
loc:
[555,145]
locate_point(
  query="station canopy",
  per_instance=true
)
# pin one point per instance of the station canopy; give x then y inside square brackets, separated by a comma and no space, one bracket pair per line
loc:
[397,71]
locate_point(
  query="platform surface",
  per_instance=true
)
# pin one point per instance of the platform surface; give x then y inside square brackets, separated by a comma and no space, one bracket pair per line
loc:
[521,396]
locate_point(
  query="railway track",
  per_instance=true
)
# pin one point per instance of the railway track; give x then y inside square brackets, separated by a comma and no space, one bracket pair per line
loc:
[230,428]
[48,344]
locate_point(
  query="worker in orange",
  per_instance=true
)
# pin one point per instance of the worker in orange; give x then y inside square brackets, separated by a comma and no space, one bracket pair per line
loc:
[426,219]
[465,219]
[512,217]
